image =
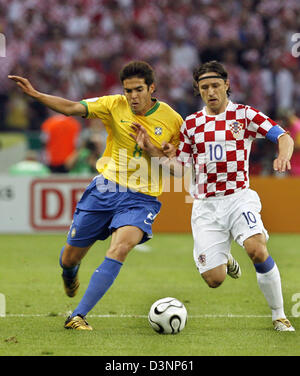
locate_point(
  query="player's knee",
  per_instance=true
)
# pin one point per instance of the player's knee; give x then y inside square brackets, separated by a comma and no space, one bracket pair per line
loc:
[215,277]
[258,255]
[213,281]
[213,284]
[119,251]
[256,249]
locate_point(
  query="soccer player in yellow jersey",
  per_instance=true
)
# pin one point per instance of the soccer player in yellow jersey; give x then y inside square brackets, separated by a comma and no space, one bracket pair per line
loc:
[122,200]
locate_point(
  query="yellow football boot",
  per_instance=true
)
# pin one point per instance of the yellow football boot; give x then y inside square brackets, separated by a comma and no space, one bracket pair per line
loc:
[78,323]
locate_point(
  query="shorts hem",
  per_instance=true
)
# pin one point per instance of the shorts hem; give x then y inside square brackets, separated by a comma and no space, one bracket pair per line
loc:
[147,236]
[81,243]
[259,231]
[206,269]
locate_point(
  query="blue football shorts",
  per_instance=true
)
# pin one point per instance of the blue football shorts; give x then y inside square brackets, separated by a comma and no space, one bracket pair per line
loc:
[106,206]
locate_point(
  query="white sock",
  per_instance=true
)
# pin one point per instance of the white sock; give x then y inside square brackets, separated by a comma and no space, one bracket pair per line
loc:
[270,285]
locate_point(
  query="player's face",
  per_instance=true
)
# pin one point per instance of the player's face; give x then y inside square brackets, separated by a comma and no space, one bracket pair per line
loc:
[138,95]
[213,92]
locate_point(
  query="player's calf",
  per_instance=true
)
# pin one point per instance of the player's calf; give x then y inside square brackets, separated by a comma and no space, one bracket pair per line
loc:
[69,276]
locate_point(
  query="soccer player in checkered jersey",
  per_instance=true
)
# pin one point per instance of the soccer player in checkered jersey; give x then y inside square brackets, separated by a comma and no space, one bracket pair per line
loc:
[216,142]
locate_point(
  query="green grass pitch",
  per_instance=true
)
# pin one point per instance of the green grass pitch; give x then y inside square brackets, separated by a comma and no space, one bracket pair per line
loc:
[233,319]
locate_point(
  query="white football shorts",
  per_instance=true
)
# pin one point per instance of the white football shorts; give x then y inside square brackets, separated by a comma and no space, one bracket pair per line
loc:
[216,221]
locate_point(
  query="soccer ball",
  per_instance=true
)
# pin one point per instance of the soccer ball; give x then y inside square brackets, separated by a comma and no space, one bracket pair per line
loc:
[167,316]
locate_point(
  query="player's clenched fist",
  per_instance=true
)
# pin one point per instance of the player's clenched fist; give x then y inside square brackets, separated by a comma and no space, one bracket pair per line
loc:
[25,85]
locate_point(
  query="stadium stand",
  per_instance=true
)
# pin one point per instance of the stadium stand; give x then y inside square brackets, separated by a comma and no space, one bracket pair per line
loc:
[75,50]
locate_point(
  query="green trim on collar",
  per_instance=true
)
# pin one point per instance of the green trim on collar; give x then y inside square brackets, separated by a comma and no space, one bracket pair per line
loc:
[153,109]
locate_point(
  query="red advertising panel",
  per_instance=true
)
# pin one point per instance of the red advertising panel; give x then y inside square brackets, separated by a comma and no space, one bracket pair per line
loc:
[53,201]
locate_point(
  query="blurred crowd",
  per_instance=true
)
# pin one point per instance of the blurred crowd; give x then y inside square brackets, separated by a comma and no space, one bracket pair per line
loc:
[75,49]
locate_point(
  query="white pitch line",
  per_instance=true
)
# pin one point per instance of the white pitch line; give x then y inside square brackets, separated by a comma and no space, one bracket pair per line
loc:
[135,316]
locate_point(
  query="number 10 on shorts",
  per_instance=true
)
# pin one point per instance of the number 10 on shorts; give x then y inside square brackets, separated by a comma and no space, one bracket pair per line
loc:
[250,219]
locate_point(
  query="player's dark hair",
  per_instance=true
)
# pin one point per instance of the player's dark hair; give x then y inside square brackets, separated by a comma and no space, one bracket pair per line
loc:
[210,66]
[139,69]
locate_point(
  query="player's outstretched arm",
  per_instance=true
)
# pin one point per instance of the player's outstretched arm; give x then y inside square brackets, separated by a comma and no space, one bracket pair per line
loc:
[64,106]
[285,151]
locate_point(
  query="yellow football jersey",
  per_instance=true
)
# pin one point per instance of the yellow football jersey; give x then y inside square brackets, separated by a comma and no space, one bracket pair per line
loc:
[123,161]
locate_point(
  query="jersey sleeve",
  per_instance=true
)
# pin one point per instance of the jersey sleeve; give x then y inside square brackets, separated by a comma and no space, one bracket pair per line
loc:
[184,151]
[99,107]
[260,125]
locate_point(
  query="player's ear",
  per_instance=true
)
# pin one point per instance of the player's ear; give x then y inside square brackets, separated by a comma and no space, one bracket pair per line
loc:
[227,85]
[152,88]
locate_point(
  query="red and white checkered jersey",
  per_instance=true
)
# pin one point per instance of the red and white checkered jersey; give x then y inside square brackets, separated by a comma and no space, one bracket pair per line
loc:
[218,148]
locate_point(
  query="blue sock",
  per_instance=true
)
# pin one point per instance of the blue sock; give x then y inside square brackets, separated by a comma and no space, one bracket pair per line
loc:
[265,266]
[68,272]
[101,280]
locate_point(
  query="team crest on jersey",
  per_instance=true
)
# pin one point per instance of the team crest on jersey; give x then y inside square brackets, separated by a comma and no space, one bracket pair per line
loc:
[202,259]
[158,131]
[236,128]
